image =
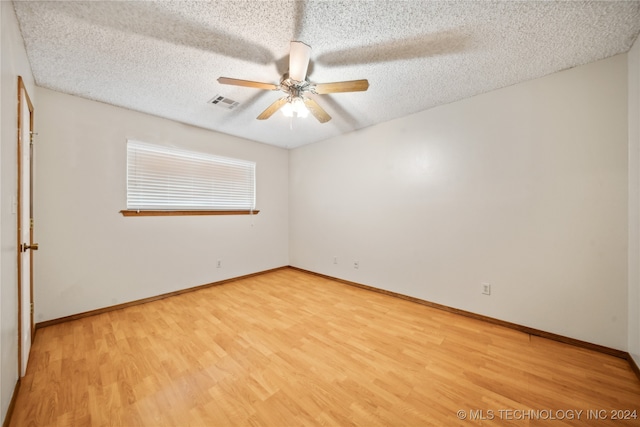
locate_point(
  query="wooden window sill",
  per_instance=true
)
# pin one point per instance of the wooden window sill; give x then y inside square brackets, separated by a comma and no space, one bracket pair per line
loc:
[141,212]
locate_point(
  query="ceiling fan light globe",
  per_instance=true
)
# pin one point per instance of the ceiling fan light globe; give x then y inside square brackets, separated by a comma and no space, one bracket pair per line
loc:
[295,108]
[287,110]
[299,108]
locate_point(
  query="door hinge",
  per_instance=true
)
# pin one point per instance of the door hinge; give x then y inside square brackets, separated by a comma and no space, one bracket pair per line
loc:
[32,309]
[31,223]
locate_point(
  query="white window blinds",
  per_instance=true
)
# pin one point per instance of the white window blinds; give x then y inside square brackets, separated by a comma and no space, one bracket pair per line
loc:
[166,178]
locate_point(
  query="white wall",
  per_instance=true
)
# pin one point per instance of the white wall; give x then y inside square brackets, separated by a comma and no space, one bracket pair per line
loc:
[634,201]
[14,63]
[91,256]
[523,187]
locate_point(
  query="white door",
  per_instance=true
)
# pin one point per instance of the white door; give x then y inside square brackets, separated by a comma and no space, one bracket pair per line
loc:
[25,226]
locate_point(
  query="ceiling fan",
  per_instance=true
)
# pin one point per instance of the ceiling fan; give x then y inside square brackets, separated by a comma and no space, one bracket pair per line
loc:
[296,86]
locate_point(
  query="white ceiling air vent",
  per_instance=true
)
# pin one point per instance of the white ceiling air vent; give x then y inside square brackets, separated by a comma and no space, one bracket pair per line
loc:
[226,103]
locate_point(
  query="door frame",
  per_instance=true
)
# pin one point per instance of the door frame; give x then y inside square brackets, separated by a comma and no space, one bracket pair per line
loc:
[22,90]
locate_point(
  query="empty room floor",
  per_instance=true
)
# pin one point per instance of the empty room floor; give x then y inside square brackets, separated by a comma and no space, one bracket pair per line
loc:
[288,348]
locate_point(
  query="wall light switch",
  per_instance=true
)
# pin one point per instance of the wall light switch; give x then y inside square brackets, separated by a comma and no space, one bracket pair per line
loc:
[486,288]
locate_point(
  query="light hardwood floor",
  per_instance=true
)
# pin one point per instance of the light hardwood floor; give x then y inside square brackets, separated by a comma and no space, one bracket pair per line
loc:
[289,348]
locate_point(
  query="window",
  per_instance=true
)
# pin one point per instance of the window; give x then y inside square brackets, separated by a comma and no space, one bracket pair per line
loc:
[170,180]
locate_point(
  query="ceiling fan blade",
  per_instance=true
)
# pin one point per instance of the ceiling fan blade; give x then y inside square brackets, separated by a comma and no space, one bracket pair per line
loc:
[247,83]
[272,108]
[317,111]
[299,56]
[350,86]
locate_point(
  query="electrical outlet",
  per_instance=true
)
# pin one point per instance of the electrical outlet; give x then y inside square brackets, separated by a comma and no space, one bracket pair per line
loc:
[335,259]
[486,288]
[356,264]
[219,264]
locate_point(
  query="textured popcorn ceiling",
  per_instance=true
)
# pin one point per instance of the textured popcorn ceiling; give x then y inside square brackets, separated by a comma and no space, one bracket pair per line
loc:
[164,57]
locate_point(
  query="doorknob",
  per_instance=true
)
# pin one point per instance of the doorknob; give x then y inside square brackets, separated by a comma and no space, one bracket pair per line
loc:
[33,247]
